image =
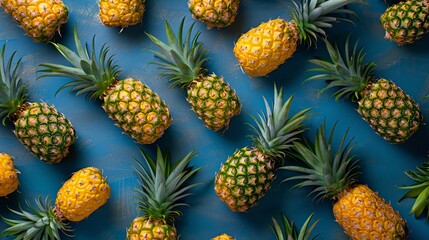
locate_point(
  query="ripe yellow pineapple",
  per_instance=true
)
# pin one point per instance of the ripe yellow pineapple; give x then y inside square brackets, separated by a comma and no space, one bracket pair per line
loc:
[223,237]
[263,48]
[40,19]
[39,126]
[8,175]
[360,211]
[215,13]
[121,13]
[134,107]
[85,192]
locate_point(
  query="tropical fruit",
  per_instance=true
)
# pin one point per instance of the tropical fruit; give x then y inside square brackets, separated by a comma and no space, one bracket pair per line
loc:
[122,13]
[8,175]
[223,237]
[218,13]
[210,97]
[134,107]
[288,231]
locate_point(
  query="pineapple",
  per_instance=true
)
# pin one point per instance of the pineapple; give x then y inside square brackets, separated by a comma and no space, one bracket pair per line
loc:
[247,175]
[39,126]
[85,192]
[288,231]
[223,237]
[162,185]
[263,48]
[134,107]
[122,13]
[392,113]
[40,19]
[8,175]
[418,190]
[217,13]
[360,211]
[406,21]
[210,97]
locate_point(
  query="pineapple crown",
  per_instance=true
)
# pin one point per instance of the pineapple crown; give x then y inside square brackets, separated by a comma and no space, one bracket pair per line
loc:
[344,71]
[162,185]
[92,73]
[183,58]
[13,92]
[311,16]
[330,172]
[418,190]
[288,231]
[37,223]
[275,130]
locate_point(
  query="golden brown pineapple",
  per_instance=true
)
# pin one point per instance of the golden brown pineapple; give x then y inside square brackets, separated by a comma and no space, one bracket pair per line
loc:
[8,175]
[121,13]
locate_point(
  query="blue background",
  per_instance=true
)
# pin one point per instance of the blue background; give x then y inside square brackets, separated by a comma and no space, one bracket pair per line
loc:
[102,144]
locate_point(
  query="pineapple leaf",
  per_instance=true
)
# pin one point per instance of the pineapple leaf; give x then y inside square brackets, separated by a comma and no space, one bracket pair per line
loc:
[288,231]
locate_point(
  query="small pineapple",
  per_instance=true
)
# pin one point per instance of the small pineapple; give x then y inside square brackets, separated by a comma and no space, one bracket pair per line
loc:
[247,175]
[223,237]
[418,190]
[360,211]
[288,231]
[406,21]
[85,192]
[39,126]
[217,13]
[122,13]
[262,49]
[134,107]
[40,19]
[391,112]
[8,175]
[210,97]
[162,186]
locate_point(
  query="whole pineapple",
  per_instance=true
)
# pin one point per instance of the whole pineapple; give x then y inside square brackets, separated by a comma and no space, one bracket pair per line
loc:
[134,107]
[406,21]
[360,211]
[40,19]
[391,112]
[162,188]
[39,126]
[288,231]
[210,97]
[122,13]
[223,237]
[85,192]
[263,48]
[217,13]
[8,175]
[247,175]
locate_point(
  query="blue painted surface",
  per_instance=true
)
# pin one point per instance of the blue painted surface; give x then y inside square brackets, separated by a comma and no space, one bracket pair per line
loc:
[102,144]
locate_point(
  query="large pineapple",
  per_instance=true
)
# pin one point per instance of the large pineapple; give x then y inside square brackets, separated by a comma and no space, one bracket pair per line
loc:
[8,175]
[122,13]
[85,192]
[162,188]
[217,13]
[288,231]
[134,107]
[406,21]
[39,126]
[211,98]
[263,48]
[360,211]
[40,19]
[391,112]
[247,175]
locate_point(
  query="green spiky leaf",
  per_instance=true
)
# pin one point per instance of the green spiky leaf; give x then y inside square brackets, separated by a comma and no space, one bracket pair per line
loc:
[288,231]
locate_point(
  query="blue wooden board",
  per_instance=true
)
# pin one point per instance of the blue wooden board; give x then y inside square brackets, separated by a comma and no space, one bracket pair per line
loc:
[102,144]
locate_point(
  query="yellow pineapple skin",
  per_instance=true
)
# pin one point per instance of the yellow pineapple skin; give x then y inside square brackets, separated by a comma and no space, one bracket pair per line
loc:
[40,19]
[144,228]
[223,237]
[363,214]
[85,192]
[121,13]
[264,48]
[8,175]
[217,13]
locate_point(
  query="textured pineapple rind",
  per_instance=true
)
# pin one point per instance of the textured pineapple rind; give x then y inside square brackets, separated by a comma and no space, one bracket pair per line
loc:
[40,19]
[223,237]
[218,13]
[244,178]
[8,175]
[213,100]
[363,214]
[123,13]
[137,110]
[47,133]
[150,229]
